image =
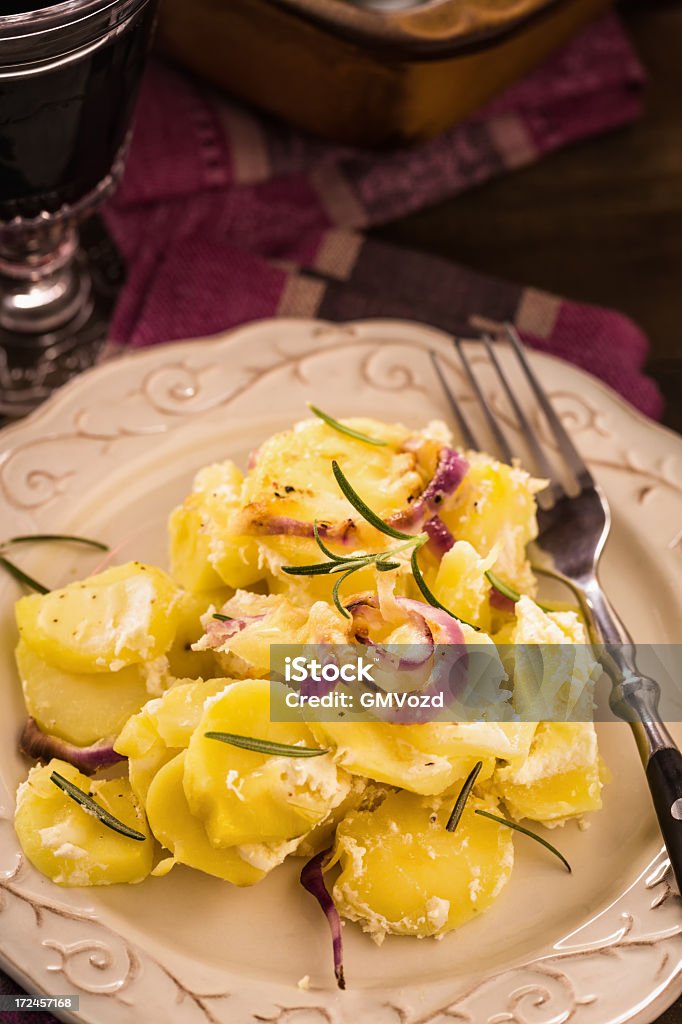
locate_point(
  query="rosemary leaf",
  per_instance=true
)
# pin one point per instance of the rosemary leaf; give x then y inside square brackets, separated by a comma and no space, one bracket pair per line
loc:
[21,577]
[335,592]
[222,618]
[458,809]
[93,807]
[431,598]
[343,429]
[526,832]
[353,563]
[323,547]
[65,537]
[501,587]
[266,746]
[314,569]
[365,511]
[507,591]
[386,566]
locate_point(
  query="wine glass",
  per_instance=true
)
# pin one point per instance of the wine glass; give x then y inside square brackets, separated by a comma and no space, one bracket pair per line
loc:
[69,78]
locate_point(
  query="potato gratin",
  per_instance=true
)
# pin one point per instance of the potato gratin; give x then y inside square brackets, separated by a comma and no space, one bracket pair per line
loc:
[133,667]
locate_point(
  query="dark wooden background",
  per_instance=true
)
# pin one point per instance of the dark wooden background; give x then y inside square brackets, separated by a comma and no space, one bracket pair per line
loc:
[600,222]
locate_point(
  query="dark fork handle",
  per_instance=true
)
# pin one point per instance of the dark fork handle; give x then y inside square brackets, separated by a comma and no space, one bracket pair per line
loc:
[664,774]
[635,698]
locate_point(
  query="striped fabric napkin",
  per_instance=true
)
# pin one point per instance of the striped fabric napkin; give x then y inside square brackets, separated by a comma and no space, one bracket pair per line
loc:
[226,216]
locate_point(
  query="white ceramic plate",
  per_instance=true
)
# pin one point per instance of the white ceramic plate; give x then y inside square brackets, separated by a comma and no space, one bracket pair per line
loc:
[108,457]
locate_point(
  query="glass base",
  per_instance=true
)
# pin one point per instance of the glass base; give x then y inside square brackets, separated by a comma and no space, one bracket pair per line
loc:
[33,365]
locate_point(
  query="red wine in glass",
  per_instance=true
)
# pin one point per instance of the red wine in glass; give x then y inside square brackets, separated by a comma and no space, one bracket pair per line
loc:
[69,78]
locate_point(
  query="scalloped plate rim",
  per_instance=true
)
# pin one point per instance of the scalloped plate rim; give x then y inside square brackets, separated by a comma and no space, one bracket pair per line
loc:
[53,406]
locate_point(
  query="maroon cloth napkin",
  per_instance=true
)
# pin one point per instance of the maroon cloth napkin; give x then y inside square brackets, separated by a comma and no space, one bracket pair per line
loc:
[225,216]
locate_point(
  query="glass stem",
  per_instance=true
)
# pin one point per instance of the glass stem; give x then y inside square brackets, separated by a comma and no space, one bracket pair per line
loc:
[41,285]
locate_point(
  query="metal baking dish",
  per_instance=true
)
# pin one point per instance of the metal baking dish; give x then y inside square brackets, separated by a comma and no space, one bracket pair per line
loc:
[368,75]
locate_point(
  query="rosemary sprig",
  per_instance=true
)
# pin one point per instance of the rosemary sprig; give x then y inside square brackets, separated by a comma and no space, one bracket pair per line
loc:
[266,746]
[222,618]
[458,809]
[383,561]
[65,537]
[526,832]
[101,813]
[22,577]
[343,429]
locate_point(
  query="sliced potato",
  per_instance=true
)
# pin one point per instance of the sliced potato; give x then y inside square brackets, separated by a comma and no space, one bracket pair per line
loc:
[553,665]
[183,662]
[81,708]
[561,777]
[206,549]
[123,616]
[176,828]
[403,873]
[246,797]
[69,844]
[424,758]
[162,729]
[461,585]
[494,507]
[267,620]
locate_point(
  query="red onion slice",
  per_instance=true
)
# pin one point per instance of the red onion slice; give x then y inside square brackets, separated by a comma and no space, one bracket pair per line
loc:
[440,538]
[218,632]
[366,615]
[43,747]
[444,629]
[312,879]
[500,601]
[286,526]
[450,471]
[448,671]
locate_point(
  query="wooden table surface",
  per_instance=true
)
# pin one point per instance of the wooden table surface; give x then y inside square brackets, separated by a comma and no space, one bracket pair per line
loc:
[600,222]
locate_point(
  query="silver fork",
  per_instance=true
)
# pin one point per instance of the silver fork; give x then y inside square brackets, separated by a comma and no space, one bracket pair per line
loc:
[573,529]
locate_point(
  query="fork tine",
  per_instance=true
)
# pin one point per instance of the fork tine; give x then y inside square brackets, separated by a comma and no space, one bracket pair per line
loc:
[575,463]
[501,440]
[541,460]
[465,429]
